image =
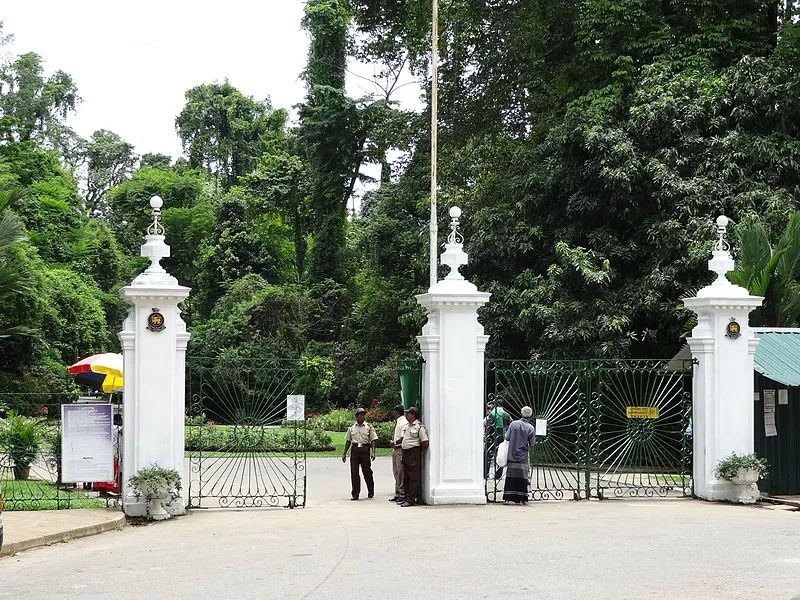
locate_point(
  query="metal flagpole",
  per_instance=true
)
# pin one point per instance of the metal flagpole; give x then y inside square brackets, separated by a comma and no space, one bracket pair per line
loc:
[434,227]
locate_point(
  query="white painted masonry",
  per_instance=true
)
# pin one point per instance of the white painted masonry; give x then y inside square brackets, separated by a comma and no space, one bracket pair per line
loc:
[723,380]
[154,368]
[452,345]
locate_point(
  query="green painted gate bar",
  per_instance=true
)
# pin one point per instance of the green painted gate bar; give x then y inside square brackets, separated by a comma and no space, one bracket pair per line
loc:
[242,450]
[612,428]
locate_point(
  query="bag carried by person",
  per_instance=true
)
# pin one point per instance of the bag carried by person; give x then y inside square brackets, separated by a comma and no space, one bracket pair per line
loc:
[501,457]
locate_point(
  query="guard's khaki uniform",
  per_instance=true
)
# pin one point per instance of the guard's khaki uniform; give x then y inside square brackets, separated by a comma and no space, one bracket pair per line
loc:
[413,436]
[361,436]
[397,458]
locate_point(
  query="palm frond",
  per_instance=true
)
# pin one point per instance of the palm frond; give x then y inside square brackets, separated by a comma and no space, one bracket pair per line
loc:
[10,195]
[789,265]
[759,282]
[12,230]
[756,263]
[787,273]
[14,278]
[20,330]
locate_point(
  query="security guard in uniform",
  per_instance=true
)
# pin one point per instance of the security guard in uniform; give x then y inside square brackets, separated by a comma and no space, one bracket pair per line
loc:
[415,440]
[362,437]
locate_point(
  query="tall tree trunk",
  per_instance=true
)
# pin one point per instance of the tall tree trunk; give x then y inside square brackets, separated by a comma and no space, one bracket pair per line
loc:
[772,17]
[300,244]
[324,126]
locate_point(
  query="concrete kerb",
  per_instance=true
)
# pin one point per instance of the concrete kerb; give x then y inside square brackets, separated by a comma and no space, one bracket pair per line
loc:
[99,521]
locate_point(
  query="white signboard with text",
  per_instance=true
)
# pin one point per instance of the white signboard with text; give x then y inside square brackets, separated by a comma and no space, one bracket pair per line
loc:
[295,407]
[769,414]
[87,448]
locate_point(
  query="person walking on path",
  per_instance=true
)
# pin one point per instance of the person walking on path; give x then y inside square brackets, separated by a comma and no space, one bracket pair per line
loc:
[414,441]
[397,454]
[521,436]
[362,437]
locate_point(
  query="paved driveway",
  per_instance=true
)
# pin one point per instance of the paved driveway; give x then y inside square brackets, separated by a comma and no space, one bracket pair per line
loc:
[337,549]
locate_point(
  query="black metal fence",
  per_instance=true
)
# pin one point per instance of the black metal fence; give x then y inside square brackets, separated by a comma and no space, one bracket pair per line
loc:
[30,454]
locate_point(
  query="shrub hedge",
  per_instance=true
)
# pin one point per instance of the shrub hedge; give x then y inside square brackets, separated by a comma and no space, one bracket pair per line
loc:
[340,419]
[385,432]
[221,438]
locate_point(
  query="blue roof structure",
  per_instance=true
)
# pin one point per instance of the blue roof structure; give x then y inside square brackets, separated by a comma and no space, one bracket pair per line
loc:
[778,355]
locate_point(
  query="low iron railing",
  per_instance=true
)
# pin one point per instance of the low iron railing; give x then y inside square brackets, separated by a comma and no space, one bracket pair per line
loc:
[30,455]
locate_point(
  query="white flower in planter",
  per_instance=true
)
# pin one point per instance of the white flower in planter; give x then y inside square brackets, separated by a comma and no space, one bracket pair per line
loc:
[158,486]
[743,472]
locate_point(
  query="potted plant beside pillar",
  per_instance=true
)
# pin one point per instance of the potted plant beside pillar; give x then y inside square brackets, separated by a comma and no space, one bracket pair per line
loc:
[158,486]
[21,439]
[743,472]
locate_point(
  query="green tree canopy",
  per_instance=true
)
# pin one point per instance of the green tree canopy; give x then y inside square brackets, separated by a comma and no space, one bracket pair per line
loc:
[33,105]
[223,131]
[109,161]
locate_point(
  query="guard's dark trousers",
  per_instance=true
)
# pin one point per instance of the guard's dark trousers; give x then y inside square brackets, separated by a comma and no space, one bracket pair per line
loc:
[360,456]
[412,473]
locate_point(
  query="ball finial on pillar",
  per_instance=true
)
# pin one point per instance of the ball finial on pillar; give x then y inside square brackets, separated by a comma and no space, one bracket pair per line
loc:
[155,227]
[455,236]
[722,232]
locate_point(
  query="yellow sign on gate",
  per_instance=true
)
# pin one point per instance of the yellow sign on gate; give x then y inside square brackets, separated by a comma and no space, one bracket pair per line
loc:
[642,412]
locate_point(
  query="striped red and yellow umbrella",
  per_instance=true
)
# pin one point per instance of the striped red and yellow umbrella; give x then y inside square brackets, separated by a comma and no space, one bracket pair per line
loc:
[99,371]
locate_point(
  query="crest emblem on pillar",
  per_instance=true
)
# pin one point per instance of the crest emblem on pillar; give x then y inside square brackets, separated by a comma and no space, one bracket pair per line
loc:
[155,321]
[733,330]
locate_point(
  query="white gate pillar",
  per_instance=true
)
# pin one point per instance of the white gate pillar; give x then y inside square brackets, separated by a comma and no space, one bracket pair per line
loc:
[724,346]
[452,345]
[154,342]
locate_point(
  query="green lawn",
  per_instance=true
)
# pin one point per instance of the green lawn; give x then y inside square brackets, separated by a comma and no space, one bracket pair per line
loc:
[41,495]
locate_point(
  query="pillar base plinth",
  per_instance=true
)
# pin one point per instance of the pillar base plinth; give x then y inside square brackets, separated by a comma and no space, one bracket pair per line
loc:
[138,508]
[726,491]
[457,495]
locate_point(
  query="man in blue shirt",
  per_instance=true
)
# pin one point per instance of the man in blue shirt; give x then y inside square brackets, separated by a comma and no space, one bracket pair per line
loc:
[521,436]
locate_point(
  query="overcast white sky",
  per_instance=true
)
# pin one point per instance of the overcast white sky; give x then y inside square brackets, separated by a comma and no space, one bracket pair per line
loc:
[133,61]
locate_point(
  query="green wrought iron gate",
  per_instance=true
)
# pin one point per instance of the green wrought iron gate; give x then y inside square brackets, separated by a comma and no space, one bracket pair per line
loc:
[242,450]
[604,427]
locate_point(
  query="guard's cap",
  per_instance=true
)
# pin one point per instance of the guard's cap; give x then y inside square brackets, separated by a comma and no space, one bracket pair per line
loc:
[361,410]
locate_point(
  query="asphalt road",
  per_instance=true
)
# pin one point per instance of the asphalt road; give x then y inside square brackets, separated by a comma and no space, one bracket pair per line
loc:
[337,549]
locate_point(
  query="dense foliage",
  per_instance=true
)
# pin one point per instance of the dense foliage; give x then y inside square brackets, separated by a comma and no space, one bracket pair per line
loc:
[590,144]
